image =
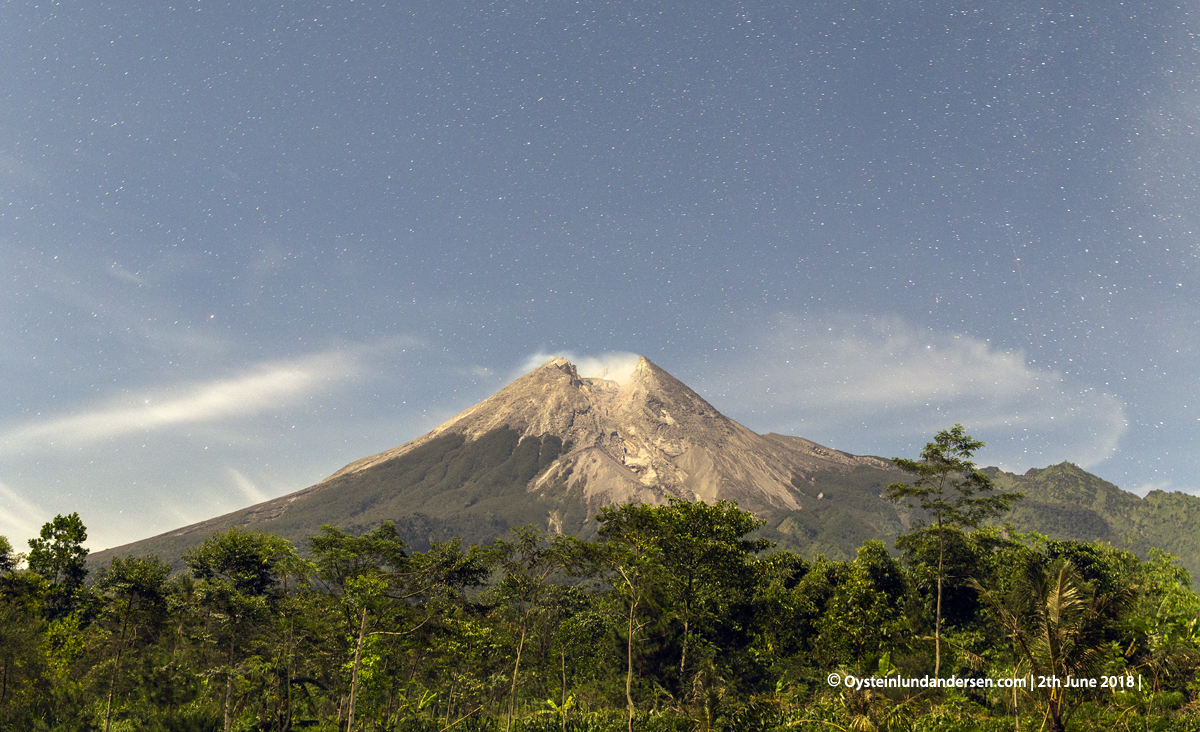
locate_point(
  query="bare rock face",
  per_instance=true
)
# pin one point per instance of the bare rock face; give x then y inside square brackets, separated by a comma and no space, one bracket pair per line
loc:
[640,439]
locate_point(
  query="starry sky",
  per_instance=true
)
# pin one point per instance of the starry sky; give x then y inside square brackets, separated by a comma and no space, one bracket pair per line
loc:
[245,243]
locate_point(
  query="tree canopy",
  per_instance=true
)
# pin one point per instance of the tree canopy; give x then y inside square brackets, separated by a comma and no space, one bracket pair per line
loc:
[676,617]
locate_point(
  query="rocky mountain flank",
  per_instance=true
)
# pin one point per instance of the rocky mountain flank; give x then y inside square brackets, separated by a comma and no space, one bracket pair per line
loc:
[552,448]
[640,440]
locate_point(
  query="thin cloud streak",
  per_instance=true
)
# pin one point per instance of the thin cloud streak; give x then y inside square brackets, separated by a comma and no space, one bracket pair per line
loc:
[266,387]
[247,487]
[121,273]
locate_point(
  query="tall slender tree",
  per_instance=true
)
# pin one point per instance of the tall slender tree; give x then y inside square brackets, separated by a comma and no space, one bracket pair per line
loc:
[631,552]
[951,493]
[707,557]
[135,591]
[527,562]
[355,569]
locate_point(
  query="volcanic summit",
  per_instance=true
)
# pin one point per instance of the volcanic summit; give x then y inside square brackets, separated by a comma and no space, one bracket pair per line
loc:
[550,449]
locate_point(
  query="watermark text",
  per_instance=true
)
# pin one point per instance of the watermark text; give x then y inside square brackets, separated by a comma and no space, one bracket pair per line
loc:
[858,683]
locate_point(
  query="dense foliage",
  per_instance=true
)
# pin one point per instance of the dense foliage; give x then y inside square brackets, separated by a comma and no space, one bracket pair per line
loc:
[673,618]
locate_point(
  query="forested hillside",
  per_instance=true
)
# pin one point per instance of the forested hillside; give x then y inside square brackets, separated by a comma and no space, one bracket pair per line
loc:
[476,491]
[1061,501]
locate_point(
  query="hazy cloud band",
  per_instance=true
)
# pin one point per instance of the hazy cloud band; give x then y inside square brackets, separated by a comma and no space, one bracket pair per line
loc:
[265,387]
[836,375]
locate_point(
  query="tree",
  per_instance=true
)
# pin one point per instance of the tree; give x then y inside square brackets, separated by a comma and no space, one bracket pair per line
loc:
[527,562]
[953,494]
[59,557]
[135,588]
[355,570]
[707,557]
[236,573]
[779,634]
[1166,639]
[631,551]
[963,555]
[21,631]
[572,626]
[1057,622]
[695,554]
[863,616]
[373,574]
[8,560]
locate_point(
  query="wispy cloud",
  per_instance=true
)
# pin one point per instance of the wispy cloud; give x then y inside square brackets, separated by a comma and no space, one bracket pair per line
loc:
[18,517]
[120,273]
[615,366]
[252,492]
[838,374]
[268,386]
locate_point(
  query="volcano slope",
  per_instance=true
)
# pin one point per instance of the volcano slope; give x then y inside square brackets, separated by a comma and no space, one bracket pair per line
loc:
[552,448]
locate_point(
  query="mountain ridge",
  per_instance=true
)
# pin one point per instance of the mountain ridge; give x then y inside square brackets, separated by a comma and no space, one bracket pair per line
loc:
[553,447]
[640,439]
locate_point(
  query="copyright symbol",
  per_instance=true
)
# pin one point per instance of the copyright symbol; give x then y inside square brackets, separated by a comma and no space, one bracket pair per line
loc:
[833,679]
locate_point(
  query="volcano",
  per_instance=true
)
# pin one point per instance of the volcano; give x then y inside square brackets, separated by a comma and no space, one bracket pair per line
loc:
[640,439]
[552,448]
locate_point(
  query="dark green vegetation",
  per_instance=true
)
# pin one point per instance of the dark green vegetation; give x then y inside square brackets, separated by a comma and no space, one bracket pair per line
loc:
[1065,501]
[673,618]
[1061,501]
[475,491]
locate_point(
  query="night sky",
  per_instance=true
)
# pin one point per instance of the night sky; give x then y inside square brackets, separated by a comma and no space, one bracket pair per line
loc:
[243,243]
